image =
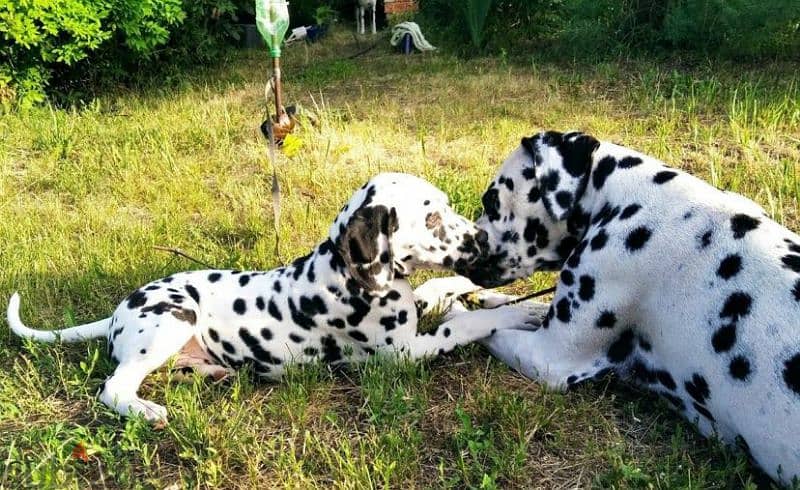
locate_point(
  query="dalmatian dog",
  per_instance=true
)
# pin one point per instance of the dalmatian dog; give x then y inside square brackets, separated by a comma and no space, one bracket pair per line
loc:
[346,300]
[664,280]
[361,7]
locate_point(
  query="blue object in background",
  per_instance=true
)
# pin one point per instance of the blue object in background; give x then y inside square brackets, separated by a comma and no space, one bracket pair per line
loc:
[407,45]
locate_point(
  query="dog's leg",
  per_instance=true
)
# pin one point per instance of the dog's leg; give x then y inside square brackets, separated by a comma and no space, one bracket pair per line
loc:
[568,351]
[468,326]
[441,293]
[138,355]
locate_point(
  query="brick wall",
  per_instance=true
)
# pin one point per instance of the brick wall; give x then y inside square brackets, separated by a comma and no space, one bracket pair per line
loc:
[399,6]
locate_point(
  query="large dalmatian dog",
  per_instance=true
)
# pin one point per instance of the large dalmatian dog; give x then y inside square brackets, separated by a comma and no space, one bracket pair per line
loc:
[348,299]
[688,290]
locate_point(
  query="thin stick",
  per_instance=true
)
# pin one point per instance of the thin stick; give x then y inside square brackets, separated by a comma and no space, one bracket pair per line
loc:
[180,252]
[527,297]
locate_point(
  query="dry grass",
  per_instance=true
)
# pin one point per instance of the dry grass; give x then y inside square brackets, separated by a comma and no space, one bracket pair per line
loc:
[85,194]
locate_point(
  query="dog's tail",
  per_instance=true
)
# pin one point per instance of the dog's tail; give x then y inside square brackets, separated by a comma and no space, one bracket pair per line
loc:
[73,334]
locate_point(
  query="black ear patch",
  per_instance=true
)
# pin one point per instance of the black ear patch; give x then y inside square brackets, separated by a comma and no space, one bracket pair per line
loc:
[364,240]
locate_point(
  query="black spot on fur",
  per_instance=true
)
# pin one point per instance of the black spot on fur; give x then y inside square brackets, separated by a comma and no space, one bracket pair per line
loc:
[791,373]
[739,368]
[260,303]
[277,286]
[274,311]
[491,204]
[741,224]
[604,168]
[152,288]
[666,379]
[388,322]
[586,291]
[629,211]
[637,238]
[697,388]
[564,199]
[214,277]
[791,261]
[357,335]
[703,411]
[664,176]
[244,279]
[730,266]
[724,338]
[266,334]
[705,239]
[336,323]
[607,319]
[563,312]
[137,299]
[621,348]
[297,339]
[255,347]
[228,347]
[313,305]
[213,334]
[567,277]
[629,162]
[360,310]
[599,241]
[193,293]
[300,318]
[736,306]
[239,306]
[566,246]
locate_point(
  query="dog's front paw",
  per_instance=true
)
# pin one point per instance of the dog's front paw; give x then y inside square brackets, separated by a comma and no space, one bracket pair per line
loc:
[519,317]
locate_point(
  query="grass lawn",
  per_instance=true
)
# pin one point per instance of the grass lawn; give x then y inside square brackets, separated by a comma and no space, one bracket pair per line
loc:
[86,194]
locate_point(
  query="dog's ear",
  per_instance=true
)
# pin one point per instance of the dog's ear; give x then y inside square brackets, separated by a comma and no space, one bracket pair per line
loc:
[562,163]
[365,246]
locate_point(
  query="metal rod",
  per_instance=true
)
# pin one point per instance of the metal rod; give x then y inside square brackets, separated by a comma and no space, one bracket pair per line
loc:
[280,113]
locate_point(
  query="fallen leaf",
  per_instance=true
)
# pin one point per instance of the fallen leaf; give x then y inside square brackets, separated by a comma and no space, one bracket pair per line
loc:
[79,452]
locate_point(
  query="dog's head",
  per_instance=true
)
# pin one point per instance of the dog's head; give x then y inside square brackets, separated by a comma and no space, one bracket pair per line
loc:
[396,224]
[531,211]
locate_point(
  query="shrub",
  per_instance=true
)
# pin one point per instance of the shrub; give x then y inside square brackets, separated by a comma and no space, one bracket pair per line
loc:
[47,41]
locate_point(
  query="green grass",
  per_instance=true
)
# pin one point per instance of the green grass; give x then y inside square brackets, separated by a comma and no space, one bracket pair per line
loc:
[86,194]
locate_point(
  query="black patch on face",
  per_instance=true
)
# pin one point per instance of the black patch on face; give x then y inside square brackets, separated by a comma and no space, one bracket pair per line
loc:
[357,335]
[621,348]
[604,168]
[599,241]
[739,368]
[629,211]
[705,239]
[563,312]
[629,162]
[136,300]
[791,261]
[239,306]
[730,266]
[736,306]
[664,176]
[742,223]
[724,338]
[491,204]
[607,319]
[586,291]
[697,388]
[300,318]
[637,238]
[243,280]
[791,373]
[214,277]
[567,277]
[703,411]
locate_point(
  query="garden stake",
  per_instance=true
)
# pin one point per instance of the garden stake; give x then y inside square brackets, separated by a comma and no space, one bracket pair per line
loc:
[272,20]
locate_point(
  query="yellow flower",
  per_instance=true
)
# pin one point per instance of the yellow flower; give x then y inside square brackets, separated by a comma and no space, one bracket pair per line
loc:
[291,145]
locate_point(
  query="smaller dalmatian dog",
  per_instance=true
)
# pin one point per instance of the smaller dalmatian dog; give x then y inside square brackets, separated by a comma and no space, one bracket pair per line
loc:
[690,291]
[361,7]
[346,300]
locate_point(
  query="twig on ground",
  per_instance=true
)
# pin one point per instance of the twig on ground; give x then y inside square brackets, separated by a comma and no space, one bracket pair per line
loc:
[180,252]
